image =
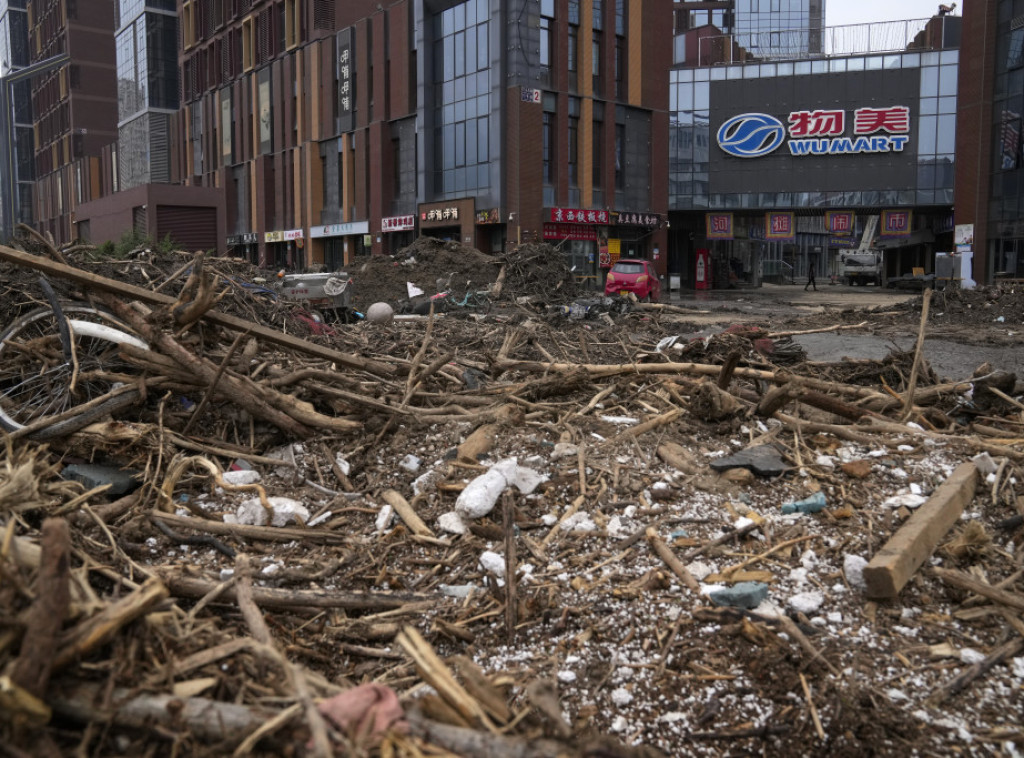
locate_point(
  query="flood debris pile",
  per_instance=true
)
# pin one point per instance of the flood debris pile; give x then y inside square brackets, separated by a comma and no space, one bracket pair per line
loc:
[510,536]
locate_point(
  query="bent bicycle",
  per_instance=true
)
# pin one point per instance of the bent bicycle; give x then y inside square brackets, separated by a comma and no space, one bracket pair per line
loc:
[60,368]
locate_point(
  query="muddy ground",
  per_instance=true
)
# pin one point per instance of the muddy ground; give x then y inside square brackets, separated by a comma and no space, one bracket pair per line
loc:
[609,650]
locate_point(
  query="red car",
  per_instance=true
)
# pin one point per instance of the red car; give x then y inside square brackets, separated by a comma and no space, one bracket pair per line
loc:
[636,276]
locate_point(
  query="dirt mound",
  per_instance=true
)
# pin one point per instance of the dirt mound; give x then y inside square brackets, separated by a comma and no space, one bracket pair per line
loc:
[432,265]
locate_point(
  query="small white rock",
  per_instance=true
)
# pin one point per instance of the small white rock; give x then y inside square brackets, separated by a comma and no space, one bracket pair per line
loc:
[410,463]
[971,656]
[622,696]
[807,602]
[853,567]
[493,562]
[452,522]
[241,476]
[384,518]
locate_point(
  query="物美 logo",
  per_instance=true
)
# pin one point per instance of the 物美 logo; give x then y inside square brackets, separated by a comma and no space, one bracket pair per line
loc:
[751,135]
[817,132]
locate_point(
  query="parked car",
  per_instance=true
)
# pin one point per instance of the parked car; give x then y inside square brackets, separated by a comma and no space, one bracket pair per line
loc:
[636,276]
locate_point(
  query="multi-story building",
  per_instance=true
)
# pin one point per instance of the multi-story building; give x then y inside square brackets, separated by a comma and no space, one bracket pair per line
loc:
[728,31]
[776,162]
[74,107]
[16,119]
[989,166]
[134,187]
[147,89]
[340,129]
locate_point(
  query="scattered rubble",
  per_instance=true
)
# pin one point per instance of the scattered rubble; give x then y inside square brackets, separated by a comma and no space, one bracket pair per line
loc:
[509,534]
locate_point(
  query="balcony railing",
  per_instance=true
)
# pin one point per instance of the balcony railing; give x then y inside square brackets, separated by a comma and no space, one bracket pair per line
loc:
[811,43]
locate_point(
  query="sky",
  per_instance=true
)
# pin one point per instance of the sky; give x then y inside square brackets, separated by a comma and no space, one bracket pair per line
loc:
[842,12]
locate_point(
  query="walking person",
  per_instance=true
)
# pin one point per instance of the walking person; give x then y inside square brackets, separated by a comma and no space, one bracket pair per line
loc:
[810,275]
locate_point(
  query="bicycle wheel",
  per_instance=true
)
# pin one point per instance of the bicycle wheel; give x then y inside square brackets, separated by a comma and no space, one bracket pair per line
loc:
[37,382]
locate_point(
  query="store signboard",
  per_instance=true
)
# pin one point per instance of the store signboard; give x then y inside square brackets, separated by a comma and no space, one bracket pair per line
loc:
[649,220]
[779,226]
[718,226]
[579,216]
[817,132]
[570,232]
[340,230]
[895,224]
[839,223]
[398,223]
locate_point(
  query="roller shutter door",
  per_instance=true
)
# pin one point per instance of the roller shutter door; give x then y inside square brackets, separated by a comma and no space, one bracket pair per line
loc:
[190,228]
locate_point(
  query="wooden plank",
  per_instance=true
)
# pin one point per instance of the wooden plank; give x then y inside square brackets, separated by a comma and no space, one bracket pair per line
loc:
[893,565]
[59,270]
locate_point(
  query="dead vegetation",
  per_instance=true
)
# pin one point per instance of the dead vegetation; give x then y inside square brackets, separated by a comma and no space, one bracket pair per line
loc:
[504,534]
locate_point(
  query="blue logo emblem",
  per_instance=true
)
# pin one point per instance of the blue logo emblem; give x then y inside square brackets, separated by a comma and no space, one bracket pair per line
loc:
[751,135]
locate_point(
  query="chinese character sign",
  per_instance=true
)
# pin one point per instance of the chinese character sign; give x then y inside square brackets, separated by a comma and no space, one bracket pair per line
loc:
[817,123]
[718,226]
[895,120]
[839,222]
[578,216]
[779,226]
[345,80]
[896,223]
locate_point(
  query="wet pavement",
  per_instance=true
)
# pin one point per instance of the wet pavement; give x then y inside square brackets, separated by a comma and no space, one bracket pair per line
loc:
[950,359]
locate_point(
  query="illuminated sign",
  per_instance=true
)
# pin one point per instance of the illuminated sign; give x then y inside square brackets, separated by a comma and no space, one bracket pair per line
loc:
[818,132]
[578,216]
[345,90]
[450,213]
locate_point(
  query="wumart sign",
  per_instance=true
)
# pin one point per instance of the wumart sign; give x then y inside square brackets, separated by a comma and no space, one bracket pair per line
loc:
[821,132]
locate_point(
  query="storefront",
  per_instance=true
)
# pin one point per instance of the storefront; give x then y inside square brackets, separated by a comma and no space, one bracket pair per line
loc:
[285,249]
[335,244]
[490,231]
[774,166]
[451,221]
[245,246]
[398,232]
[583,237]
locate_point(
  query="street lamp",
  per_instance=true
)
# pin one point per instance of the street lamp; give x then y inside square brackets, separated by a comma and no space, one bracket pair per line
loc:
[8,167]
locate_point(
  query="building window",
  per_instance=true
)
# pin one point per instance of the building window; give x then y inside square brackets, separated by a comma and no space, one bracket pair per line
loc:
[620,68]
[620,157]
[461,94]
[548,149]
[597,13]
[1015,54]
[595,62]
[574,137]
[573,63]
[547,38]
[598,149]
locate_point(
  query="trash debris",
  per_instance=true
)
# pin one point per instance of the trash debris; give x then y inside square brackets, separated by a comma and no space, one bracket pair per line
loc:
[375,431]
[813,504]
[741,595]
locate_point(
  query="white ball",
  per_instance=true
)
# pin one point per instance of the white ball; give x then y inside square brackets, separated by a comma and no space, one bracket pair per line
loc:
[380,313]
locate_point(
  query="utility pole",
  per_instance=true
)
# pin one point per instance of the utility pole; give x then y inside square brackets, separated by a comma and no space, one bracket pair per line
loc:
[8,164]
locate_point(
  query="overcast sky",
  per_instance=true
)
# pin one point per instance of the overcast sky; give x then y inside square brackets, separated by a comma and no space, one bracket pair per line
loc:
[842,12]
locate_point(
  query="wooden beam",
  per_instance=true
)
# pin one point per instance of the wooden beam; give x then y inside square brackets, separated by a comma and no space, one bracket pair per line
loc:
[59,270]
[893,565]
